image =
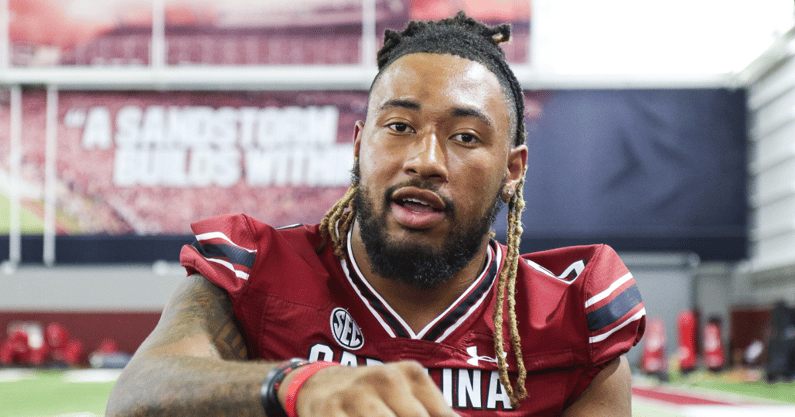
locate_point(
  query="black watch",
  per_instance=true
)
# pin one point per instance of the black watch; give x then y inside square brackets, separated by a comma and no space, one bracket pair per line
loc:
[270,387]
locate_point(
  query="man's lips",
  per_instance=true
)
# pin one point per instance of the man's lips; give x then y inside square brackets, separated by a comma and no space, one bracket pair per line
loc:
[419,197]
[417,208]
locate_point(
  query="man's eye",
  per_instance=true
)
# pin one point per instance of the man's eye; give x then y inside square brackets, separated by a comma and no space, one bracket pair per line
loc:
[401,127]
[466,138]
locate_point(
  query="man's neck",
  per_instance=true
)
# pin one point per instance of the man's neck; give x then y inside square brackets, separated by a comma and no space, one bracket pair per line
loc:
[417,306]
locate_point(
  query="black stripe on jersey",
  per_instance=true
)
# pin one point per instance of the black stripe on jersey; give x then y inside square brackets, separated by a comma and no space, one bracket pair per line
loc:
[466,304]
[380,307]
[221,250]
[614,310]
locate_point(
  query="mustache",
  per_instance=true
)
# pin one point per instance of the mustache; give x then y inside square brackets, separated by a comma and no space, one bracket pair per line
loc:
[430,185]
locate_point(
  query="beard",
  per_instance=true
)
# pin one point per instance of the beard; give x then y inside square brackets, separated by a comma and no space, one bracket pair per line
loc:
[417,265]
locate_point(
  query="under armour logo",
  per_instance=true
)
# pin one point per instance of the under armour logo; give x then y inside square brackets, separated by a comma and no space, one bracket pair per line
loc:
[473,353]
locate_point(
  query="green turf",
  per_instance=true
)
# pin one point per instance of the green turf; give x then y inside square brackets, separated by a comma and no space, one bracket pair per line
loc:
[46,394]
[780,391]
[642,409]
[50,394]
[29,222]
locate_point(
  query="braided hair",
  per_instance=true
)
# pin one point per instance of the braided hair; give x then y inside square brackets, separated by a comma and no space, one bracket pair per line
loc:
[467,38]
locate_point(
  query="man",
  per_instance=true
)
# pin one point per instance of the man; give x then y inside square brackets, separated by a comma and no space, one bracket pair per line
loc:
[400,281]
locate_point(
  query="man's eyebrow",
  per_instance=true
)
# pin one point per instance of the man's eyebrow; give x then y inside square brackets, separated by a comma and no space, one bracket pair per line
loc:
[454,112]
[406,104]
[470,112]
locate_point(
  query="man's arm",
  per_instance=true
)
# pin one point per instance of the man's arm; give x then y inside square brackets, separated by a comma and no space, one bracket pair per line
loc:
[193,364]
[190,364]
[609,394]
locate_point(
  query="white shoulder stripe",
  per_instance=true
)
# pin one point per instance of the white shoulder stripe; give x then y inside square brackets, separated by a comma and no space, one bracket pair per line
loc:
[604,294]
[219,235]
[539,268]
[607,334]
[239,274]
[576,267]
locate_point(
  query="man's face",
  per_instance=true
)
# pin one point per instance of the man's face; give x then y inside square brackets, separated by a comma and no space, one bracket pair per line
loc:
[434,157]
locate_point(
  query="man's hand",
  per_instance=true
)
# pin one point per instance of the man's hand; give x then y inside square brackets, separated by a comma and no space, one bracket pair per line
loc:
[394,389]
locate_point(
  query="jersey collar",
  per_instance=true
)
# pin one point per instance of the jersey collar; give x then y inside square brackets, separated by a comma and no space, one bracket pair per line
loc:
[443,325]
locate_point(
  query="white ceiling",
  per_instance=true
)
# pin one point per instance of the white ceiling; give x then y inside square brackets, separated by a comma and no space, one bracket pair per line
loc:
[654,37]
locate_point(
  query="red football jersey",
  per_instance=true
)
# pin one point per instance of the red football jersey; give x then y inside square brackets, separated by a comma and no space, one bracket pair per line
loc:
[578,308]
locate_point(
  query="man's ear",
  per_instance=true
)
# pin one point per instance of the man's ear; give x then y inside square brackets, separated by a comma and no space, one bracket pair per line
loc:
[515,170]
[358,128]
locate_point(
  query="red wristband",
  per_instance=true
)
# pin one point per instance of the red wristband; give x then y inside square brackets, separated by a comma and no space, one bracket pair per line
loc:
[290,402]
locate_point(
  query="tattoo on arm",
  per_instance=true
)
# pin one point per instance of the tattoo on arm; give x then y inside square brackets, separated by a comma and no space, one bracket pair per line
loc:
[200,313]
[193,363]
[228,339]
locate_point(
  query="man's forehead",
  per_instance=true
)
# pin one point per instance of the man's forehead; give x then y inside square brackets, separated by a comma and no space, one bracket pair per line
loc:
[422,62]
[425,74]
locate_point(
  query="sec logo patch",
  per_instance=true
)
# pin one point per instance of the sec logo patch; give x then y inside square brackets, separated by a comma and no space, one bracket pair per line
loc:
[346,332]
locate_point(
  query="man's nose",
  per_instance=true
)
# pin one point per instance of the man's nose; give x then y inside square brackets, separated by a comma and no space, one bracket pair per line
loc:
[426,158]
